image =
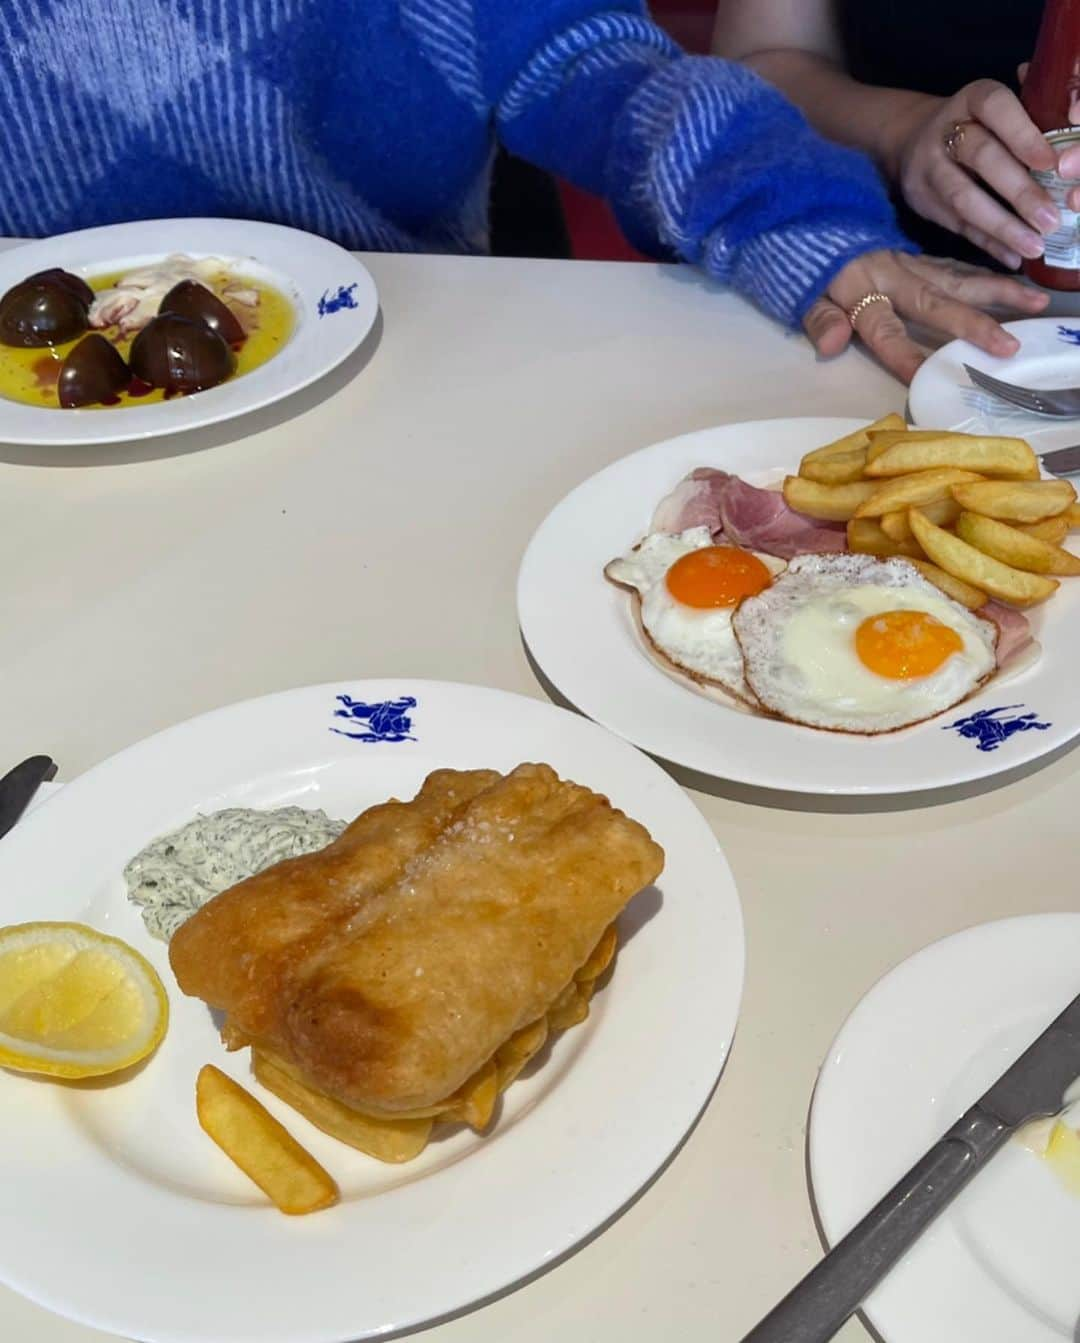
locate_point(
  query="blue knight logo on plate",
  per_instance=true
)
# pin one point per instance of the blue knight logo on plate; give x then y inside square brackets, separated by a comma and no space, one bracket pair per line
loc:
[387,720]
[1069,334]
[343,297]
[990,730]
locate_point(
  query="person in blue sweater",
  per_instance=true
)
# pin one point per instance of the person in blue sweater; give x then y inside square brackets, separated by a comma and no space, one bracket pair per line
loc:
[373,122]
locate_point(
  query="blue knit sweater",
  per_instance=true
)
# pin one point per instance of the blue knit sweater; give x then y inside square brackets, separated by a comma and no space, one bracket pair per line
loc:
[373,122]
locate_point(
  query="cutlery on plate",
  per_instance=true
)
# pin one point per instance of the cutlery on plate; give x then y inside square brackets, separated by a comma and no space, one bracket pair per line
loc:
[1060,402]
[1033,1088]
[1062,461]
[19,785]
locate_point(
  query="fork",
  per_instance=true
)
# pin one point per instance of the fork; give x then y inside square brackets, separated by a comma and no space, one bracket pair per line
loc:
[1061,402]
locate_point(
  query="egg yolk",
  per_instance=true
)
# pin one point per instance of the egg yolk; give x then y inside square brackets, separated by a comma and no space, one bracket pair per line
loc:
[716,576]
[902,644]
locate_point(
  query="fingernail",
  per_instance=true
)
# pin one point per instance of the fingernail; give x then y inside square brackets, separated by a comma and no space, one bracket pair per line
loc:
[1047,218]
[1031,245]
[1005,344]
[1012,260]
[1069,163]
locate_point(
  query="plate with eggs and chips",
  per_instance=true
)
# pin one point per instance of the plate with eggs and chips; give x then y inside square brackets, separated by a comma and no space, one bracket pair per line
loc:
[451,971]
[816,605]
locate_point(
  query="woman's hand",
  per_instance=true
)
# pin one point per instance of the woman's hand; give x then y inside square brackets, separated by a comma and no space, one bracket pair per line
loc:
[996,146]
[936,293]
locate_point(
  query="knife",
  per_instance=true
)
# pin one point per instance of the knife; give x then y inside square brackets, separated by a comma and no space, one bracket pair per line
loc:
[1033,1088]
[1062,461]
[19,785]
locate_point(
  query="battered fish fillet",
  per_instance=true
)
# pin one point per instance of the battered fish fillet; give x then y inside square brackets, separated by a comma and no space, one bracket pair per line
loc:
[388,991]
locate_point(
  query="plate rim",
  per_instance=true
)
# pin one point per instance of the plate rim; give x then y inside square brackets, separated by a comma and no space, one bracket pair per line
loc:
[556,666]
[819,1165]
[188,413]
[579,1227]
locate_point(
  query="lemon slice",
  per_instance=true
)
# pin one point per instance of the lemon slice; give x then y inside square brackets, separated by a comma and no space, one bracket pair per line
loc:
[74,1002]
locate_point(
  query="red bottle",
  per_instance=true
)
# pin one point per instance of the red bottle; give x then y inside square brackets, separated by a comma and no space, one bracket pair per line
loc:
[1051,87]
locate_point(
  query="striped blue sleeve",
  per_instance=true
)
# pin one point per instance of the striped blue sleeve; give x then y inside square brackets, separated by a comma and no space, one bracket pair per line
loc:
[701,160]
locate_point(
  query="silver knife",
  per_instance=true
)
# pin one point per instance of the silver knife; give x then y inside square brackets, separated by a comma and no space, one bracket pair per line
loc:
[1062,461]
[19,785]
[1033,1088]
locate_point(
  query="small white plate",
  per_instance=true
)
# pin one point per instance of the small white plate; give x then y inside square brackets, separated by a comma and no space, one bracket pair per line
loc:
[999,1265]
[119,1212]
[333,296]
[581,630]
[942,395]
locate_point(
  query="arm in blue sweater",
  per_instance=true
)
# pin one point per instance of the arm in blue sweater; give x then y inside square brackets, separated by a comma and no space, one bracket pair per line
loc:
[701,160]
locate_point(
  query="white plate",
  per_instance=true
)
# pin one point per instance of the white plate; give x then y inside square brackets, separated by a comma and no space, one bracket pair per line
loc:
[942,395]
[581,631]
[333,296]
[119,1212]
[999,1266]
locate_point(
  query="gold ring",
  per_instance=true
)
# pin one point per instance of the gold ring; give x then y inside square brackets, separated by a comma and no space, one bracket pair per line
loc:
[874,296]
[954,138]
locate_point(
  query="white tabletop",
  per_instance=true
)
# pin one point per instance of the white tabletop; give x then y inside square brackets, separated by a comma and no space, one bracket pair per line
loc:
[373,526]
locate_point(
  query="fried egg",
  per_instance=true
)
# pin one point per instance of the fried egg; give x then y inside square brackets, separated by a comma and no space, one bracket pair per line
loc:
[860,644]
[687,590]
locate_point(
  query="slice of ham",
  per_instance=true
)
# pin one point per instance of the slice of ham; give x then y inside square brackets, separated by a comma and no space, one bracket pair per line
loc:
[744,515]
[1014,632]
[694,502]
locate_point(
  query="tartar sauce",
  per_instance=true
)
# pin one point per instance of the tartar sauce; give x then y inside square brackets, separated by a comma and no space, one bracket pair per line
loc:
[178,873]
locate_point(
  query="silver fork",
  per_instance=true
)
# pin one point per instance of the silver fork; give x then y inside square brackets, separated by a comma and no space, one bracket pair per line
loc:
[1060,402]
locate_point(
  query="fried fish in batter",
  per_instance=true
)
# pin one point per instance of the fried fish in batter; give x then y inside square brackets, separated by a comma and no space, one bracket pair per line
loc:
[386,972]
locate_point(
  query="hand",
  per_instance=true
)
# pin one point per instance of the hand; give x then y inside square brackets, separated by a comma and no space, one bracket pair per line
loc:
[997,148]
[935,292]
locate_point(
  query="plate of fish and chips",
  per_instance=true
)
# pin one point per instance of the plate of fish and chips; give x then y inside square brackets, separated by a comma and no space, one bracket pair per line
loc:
[820,606]
[510,982]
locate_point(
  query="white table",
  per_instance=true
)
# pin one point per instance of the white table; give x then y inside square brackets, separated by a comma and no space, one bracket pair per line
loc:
[373,526]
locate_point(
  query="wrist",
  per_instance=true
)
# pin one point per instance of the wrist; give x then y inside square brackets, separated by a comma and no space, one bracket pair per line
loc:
[908,113]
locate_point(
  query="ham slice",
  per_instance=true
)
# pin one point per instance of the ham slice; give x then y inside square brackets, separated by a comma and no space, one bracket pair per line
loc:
[1014,632]
[744,515]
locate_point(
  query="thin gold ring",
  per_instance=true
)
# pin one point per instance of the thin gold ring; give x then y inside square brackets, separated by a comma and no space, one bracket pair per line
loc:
[954,138]
[874,296]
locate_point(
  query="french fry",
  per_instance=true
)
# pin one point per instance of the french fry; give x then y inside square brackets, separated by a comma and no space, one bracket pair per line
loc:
[1072,514]
[883,439]
[850,442]
[1019,549]
[835,503]
[989,456]
[972,566]
[913,491]
[838,469]
[1015,500]
[865,536]
[386,1140]
[942,512]
[1054,530]
[263,1149]
[952,586]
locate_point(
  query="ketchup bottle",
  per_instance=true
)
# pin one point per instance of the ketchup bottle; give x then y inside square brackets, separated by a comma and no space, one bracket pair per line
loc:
[1052,84]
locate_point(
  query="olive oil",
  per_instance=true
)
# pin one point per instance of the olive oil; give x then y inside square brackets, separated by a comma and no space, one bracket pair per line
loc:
[30,375]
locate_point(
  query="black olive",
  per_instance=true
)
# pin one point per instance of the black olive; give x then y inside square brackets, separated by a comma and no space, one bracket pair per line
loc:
[39,312]
[180,355]
[93,372]
[64,278]
[195,301]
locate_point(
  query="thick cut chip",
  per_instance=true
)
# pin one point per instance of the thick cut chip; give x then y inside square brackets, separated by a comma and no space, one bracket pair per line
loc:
[1054,530]
[263,1149]
[914,491]
[851,442]
[1017,548]
[953,587]
[838,469]
[989,456]
[834,503]
[866,537]
[1015,500]
[942,513]
[971,565]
